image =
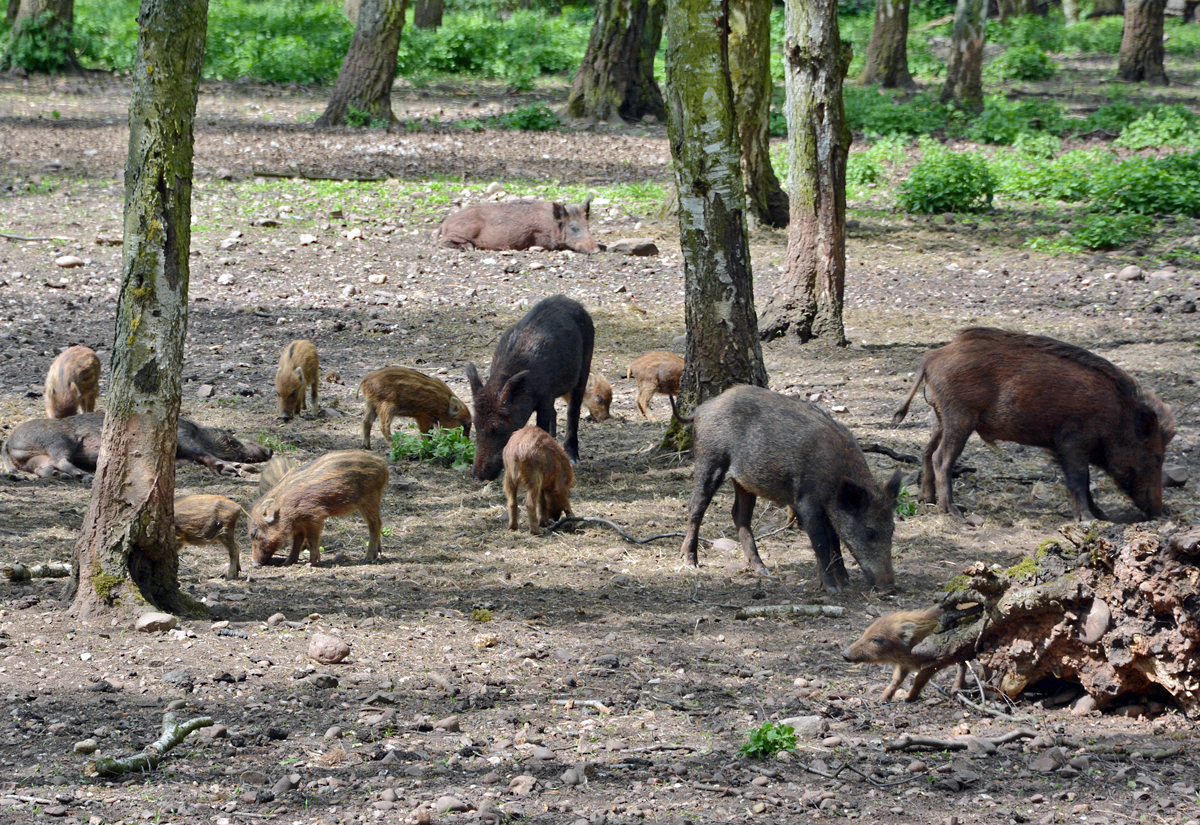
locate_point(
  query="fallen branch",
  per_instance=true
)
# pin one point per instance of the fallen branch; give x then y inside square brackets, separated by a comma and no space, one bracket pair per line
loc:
[753,611]
[909,742]
[565,520]
[890,453]
[991,711]
[173,734]
[25,238]
[571,704]
[307,174]
[17,572]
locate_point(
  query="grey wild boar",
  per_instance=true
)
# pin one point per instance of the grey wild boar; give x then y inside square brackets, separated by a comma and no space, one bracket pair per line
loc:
[204,519]
[520,225]
[298,371]
[597,397]
[274,471]
[535,460]
[293,512]
[890,640]
[793,453]
[1008,386]
[655,372]
[394,391]
[73,382]
[546,354]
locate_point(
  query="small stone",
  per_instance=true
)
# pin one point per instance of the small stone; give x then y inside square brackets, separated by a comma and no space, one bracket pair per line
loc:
[334,732]
[1131,711]
[449,804]
[226,279]
[55,810]
[725,546]
[450,724]
[831,741]
[491,778]
[640,247]
[1162,275]
[287,782]
[276,619]
[378,278]
[1174,475]
[1081,808]
[1067,772]
[86,746]
[808,727]
[68,261]
[979,747]
[522,785]
[215,732]
[1052,759]
[307,239]
[326,649]
[1096,622]
[178,704]
[543,753]
[355,234]
[154,622]
[383,805]
[254,778]
[758,807]
[206,391]
[268,222]
[975,520]
[571,777]
[388,795]
[916,766]
[349,291]
[1084,705]
[1079,763]
[323,681]
[1130,273]
[180,679]
[760,781]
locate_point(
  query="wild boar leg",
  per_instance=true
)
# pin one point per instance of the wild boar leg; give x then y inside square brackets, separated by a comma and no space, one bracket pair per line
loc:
[368,422]
[234,559]
[1078,479]
[825,547]
[511,490]
[312,539]
[533,504]
[928,489]
[387,411]
[950,446]
[574,405]
[546,419]
[898,677]
[645,393]
[743,512]
[708,480]
[424,423]
[316,408]
[299,540]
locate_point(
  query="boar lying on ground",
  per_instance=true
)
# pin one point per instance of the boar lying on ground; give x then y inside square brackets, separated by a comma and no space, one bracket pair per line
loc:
[793,453]
[69,447]
[597,397]
[298,370]
[655,372]
[274,471]
[73,382]
[1008,386]
[396,391]
[544,355]
[293,512]
[890,640]
[520,225]
[535,460]
[207,519]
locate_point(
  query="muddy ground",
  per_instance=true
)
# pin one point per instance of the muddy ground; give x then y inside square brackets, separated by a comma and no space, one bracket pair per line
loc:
[610,683]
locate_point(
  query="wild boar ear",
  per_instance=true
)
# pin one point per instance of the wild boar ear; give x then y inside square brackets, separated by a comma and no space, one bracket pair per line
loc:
[512,386]
[266,507]
[853,497]
[892,491]
[587,205]
[473,378]
[558,211]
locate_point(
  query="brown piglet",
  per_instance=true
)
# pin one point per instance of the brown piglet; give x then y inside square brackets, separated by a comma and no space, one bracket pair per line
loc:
[298,369]
[655,372]
[597,397]
[73,382]
[394,391]
[274,471]
[890,640]
[204,519]
[535,460]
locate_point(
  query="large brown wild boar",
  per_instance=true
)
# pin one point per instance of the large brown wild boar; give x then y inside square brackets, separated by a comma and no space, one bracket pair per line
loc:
[394,391]
[793,453]
[205,519]
[890,640]
[72,382]
[597,397]
[298,370]
[520,225]
[535,460]
[1008,386]
[655,372]
[294,510]
[274,471]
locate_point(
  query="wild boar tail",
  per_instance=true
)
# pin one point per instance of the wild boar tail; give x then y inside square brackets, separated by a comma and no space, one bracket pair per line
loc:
[898,416]
[675,412]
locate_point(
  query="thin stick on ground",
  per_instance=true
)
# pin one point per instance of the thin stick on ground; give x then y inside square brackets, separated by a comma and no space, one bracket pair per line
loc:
[565,520]
[173,733]
[909,742]
[27,238]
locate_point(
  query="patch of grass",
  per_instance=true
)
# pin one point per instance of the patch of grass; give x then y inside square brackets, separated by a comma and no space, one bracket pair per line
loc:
[873,113]
[1024,62]
[532,118]
[1003,120]
[1162,126]
[1100,231]
[1168,185]
[446,447]
[906,505]
[769,739]
[359,119]
[274,442]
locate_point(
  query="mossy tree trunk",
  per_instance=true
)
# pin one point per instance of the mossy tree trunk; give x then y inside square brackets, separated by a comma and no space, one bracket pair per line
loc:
[126,551]
[964,72]
[807,301]
[427,14]
[41,35]
[616,75]
[1017,8]
[364,86]
[887,52]
[750,72]
[1142,52]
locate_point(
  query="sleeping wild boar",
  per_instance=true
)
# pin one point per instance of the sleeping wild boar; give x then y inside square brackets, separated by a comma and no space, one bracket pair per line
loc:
[597,397]
[204,519]
[655,372]
[394,391]
[73,382]
[298,369]
[535,460]
[1008,386]
[520,225]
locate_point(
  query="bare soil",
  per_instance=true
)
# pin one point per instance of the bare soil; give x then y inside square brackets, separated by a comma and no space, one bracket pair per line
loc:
[598,655]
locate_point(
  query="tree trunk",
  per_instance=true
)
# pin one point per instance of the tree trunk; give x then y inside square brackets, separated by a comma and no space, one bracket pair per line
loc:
[1016,8]
[722,342]
[1071,11]
[427,14]
[964,72]
[41,35]
[887,53]
[808,296]
[11,16]
[126,551]
[750,72]
[616,76]
[1141,57]
[1106,8]
[363,92]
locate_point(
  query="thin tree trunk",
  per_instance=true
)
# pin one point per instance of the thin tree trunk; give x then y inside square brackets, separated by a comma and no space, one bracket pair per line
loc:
[887,53]
[13,7]
[41,35]
[1016,8]
[1071,11]
[964,72]
[364,85]
[126,552]
[808,296]
[1142,52]
[427,14]
[750,72]
[616,75]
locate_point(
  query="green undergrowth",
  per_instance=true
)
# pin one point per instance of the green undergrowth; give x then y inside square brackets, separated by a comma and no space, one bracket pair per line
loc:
[445,447]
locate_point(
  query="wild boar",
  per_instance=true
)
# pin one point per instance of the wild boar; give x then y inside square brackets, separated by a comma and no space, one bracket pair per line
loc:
[597,397]
[520,225]
[793,453]
[535,460]
[204,519]
[274,471]
[655,372]
[544,355]
[298,370]
[890,640]
[394,391]
[73,382]
[1008,386]
[295,509]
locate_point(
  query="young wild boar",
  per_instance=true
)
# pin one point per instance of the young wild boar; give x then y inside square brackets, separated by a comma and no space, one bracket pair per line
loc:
[793,453]
[206,519]
[890,640]
[655,372]
[1033,390]
[597,397]
[396,391]
[294,510]
[73,382]
[274,471]
[535,460]
[544,355]
[298,369]
[520,225]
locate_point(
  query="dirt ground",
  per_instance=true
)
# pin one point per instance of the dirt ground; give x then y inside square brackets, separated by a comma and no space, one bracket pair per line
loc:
[609,683]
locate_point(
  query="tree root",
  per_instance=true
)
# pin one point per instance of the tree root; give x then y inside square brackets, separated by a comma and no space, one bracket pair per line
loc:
[908,742]
[173,733]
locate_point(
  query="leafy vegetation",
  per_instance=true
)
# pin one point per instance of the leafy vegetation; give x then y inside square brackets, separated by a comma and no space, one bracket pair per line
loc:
[1162,126]
[769,739]
[42,46]
[446,447]
[1026,62]
[532,118]
[946,181]
[1110,231]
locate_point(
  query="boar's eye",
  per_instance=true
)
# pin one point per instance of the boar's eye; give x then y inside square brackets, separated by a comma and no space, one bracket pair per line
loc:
[878,640]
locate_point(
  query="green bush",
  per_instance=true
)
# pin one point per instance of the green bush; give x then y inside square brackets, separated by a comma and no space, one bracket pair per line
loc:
[1110,231]
[532,118]
[948,182]
[1162,126]
[1065,178]
[873,113]
[1003,120]
[1021,63]
[769,739]
[1149,186]
[1030,30]
[1102,35]
[1112,117]
[922,62]
[1037,145]
[1181,38]
[41,47]
[446,447]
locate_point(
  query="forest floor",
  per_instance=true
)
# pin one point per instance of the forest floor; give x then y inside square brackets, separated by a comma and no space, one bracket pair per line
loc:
[610,683]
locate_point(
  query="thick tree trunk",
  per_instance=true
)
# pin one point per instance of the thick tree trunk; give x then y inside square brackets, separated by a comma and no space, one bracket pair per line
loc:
[616,75]
[126,551]
[427,14]
[41,35]
[808,296]
[1141,57]
[363,91]
[13,7]
[1106,8]
[1071,11]
[887,53]
[964,73]
[750,72]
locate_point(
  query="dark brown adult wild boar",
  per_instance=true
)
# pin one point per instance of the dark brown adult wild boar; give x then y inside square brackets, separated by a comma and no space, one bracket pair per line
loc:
[1008,386]
[655,372]
[394,391]
[535,460]
[520,225]
[793,453]
[890,640]
[293,512]
[546,354]
[298,371]
[72,382]
[205,519]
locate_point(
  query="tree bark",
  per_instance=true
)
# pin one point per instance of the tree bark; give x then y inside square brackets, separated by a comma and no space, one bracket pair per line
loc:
[51,23]
[887,52]
[1071,11]
[1016,8]
[1142,52]
[11,16]
[364,83]
[616,75]
[427,14]
[808,296]
[964,72]
[1106,8]
[126,552]
[750,72]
